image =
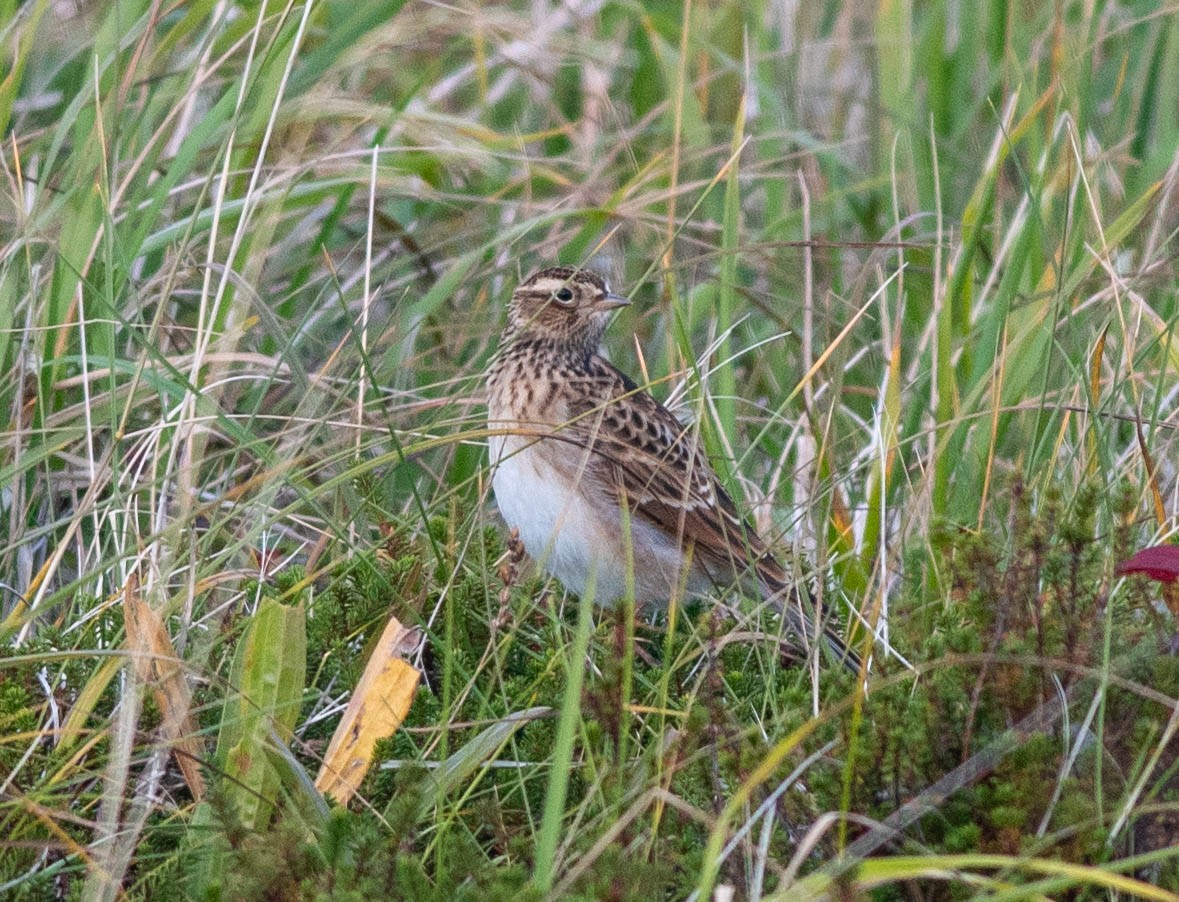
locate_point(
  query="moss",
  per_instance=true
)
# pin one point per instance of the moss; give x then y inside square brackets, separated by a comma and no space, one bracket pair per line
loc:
[1023,595]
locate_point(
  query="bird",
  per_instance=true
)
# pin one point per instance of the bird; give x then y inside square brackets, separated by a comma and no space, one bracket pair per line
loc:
[604,486]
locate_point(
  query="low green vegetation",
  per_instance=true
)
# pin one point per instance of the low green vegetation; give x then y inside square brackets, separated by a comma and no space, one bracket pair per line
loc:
[911,271]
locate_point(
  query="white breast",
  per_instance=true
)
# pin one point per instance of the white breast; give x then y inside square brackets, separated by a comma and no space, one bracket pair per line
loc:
[572,531]
[555,523]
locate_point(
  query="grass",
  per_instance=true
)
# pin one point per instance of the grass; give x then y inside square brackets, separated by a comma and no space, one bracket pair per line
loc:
[911,270]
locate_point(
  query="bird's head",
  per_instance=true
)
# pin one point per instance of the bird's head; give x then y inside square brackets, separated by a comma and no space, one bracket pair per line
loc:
[565,305]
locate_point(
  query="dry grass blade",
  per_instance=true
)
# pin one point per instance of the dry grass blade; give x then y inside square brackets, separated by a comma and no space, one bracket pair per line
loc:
[159,667]
[376,710]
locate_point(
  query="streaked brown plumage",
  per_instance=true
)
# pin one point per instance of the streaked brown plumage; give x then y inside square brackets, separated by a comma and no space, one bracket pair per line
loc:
[600,479]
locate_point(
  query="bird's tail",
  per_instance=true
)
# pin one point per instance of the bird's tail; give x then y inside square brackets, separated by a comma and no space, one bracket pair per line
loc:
[836,647]
[789,602]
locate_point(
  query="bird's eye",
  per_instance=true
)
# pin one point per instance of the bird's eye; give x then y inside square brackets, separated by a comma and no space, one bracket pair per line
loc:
[564,295]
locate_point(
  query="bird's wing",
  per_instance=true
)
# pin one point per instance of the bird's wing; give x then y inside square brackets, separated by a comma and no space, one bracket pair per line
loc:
[657,468]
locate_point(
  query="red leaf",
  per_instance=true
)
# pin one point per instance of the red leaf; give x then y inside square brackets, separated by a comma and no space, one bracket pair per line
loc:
[1160,562]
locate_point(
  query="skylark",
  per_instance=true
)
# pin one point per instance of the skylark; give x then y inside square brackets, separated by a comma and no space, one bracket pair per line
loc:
[602,482]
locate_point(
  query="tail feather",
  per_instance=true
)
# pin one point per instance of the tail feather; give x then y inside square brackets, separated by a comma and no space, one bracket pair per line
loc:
[789,603]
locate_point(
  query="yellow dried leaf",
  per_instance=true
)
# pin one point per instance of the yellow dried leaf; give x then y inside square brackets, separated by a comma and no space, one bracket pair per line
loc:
[159,667]
[378,706]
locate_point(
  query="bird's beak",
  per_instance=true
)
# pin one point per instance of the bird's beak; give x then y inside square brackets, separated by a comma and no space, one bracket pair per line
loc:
[611,301]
